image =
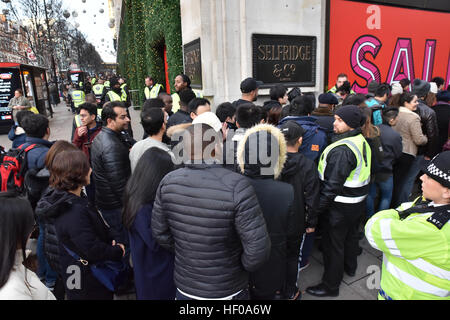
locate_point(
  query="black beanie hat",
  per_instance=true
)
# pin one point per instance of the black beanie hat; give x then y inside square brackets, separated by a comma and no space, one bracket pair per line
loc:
[113,81]
[351,115]
[439,168]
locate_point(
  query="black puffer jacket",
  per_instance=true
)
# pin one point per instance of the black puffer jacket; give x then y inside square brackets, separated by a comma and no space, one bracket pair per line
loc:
[82,229]
[430,129]
[111,168]
[211,217]
[51,205]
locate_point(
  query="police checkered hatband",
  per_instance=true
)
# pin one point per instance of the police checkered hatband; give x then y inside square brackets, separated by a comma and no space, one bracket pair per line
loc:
[435,171]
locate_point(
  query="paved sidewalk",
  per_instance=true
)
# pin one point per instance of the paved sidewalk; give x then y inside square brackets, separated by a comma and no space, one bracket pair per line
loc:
[352,288]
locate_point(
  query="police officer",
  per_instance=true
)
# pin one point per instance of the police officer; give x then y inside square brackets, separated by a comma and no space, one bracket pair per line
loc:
[107,85]
[341,78]
[118,93]
[415,240]
[99,90]
[125,93]
[78,97]
[344,171]
[182,82]
[151,89]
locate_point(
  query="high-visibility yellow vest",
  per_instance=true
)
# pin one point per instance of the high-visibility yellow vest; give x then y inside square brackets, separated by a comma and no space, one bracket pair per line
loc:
[107,84]
[153,93]
[176,100]
[334,89]
[124,92]
[93,81]
[78,97]
[416,253]
[98,90]
[359,178]
[114,96]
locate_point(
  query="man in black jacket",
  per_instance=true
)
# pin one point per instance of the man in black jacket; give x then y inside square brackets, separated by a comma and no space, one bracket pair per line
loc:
[344,171]
[301,173]
[212,217]
[111,165]
[276,199]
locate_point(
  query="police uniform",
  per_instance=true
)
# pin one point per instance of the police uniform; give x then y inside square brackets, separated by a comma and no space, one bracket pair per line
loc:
[153,91]
[344,171]
[100,91]
[415,241]
[78,97]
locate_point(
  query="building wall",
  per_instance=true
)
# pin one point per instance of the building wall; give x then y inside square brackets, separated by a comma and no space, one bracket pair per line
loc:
[225,28]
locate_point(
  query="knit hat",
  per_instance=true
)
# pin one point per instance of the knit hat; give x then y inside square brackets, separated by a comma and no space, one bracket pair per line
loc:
[433,87]
[439,168]
[351,115]
[292,130]
[420,88]
[210,119]
[372,87]
[396,88]
[328,98]
[113,81]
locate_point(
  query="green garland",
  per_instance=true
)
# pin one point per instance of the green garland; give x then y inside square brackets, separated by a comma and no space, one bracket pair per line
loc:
[147,25]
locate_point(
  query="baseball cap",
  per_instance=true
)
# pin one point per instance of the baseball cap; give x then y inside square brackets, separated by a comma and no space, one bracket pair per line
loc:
[292,130]
[250,84]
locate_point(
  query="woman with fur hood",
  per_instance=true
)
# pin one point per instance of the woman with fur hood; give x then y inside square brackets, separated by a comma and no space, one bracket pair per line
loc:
[276,202]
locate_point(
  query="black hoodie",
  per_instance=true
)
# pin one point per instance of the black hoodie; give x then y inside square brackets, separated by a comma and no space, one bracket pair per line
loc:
[302,174]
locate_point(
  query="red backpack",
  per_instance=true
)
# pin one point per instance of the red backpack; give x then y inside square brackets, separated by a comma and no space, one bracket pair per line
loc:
[13,166]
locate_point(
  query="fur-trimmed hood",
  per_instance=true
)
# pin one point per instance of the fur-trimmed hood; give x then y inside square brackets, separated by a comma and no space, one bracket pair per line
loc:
[244,156]
[177,128]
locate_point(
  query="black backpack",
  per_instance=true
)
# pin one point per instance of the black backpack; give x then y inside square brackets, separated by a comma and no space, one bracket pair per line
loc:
[13,166]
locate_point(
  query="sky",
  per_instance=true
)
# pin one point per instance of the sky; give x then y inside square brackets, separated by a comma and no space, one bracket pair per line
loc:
[94,33]
[95,28]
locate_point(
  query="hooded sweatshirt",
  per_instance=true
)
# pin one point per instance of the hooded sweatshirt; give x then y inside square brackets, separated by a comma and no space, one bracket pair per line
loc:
[302,174]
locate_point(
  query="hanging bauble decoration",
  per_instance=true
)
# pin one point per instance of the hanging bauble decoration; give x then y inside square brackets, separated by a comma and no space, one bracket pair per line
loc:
[101,10]
[66,14]
[74,14]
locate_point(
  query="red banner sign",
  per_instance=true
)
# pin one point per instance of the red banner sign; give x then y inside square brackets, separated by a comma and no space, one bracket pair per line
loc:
[384,43]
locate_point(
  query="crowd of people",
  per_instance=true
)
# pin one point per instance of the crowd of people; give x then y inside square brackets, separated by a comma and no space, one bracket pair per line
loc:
[227,205]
